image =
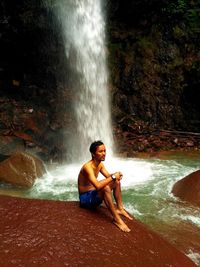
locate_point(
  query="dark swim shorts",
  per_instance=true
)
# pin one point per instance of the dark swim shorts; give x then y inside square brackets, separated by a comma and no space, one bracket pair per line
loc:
[90,199]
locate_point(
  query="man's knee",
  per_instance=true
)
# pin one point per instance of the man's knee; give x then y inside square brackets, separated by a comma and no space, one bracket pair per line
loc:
[116,184]
[107,189]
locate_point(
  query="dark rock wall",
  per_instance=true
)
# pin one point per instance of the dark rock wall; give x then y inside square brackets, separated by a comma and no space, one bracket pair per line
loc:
[29,45]
[35,103]
[154,63]
[153,59]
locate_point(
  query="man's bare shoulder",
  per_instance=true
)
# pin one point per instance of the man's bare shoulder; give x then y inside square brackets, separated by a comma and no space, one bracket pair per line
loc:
[86,166]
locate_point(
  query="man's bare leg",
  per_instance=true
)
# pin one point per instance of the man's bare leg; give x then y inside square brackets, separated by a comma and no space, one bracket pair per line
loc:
[118,199]
[106,194]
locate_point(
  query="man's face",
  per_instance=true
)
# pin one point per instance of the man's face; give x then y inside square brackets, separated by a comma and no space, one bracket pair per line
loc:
[100,153]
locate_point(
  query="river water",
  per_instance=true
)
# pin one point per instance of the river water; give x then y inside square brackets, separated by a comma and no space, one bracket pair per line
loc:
[146,187]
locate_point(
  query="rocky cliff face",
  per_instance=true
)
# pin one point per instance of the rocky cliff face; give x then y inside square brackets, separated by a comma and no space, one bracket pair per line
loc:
[153,59]
[154,63]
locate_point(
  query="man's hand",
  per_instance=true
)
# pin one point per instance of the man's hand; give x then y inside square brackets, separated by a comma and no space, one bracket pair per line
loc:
[118,175]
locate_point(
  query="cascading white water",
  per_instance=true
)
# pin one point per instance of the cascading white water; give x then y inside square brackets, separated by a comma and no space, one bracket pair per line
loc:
[84,33]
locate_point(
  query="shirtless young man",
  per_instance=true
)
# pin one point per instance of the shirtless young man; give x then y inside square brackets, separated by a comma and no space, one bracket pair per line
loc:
[92,192]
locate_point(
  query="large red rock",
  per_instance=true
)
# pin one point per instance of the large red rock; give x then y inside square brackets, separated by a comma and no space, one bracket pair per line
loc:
[46,233]
[21,169]
[188,188]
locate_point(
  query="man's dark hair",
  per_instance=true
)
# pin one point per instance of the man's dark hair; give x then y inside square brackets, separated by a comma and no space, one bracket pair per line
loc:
[94,145]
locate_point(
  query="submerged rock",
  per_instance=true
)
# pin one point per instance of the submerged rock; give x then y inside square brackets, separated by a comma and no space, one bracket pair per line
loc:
[188,188]
[54,233]
[21,169]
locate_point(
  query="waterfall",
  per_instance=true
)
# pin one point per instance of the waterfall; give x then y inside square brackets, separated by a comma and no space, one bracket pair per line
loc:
[83,27]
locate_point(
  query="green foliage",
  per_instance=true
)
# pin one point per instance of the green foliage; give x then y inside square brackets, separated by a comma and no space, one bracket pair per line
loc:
[178,7]
[193,17]
[188,11]
[178,32]
[145,42]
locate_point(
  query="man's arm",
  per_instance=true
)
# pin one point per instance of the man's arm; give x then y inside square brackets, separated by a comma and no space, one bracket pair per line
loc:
[93,180]
[105,173]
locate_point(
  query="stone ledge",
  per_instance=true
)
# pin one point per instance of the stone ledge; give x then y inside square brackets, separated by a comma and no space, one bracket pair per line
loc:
[54,233]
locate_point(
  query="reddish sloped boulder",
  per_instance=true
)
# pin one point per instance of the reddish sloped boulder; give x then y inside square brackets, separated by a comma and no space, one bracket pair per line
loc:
[21,169]
[46,233]
[188,188]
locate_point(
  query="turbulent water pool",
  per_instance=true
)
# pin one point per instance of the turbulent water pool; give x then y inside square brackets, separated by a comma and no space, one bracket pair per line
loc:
[146,186]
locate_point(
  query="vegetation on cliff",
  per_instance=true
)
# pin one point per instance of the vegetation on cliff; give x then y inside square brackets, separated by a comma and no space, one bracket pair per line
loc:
[153,59]
[154,62]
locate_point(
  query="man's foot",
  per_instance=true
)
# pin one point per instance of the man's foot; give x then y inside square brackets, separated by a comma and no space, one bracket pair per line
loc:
[124,213]
[122,226]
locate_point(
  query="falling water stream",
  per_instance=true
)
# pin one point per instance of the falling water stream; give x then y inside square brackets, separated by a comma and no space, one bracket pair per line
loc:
[83,27]
[146,184]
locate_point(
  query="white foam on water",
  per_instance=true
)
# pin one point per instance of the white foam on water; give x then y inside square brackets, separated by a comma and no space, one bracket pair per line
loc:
[135,171]
[64,178]
[61,180]
[132,210]
[191,218]
[194,256]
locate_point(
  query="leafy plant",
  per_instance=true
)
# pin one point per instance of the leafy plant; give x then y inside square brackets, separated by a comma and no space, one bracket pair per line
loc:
[178,7]
[193,17]
[188,11]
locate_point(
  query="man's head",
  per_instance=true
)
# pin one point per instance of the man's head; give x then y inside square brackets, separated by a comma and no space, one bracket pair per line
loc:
[94,145]
[98,150]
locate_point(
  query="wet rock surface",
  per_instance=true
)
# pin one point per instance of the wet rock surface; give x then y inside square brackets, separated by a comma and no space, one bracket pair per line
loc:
[52,233]
[188,188]
[21,169]
[133,137]
[27,127]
